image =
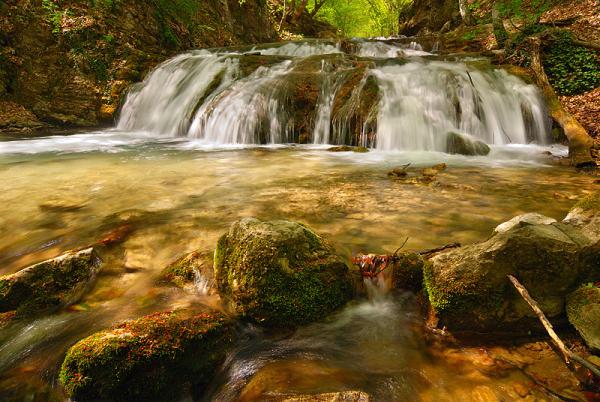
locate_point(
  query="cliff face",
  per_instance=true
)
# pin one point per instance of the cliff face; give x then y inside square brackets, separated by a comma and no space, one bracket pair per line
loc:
[427,16]
[68,62]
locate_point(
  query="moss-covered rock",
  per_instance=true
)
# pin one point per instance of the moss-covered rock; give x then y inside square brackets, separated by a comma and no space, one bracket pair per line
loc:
[461,144]
[585,215]
[583,310]
[468,287]
[153,358]
[181,271]
[280,273]
[348,148]
[50,284]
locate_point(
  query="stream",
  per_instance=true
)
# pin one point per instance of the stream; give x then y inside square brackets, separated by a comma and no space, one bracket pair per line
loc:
[203,142]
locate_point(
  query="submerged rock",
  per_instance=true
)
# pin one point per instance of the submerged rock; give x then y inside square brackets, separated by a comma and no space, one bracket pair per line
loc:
[583,310]
[468,287]
[49,285]
[347,148]
[280,273]
[149,359]
[464,145]
[184,271]
[346,396]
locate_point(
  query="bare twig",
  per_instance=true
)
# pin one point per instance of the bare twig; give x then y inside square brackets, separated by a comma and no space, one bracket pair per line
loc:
[430,251]
[568,355]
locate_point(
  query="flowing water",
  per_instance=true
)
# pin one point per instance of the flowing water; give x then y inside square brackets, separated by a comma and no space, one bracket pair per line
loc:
[183,164]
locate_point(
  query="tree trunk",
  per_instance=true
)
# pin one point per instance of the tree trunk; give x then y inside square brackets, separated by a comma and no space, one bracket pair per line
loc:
[580,142]
[499,30]
[465,12]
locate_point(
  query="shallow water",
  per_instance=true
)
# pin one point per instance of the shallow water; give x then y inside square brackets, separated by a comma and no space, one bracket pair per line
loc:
[177,196]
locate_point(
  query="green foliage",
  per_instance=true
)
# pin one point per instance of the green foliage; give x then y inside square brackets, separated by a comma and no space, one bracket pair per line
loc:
[362,18]
[571,69]
[169,10]
[54,15]
[529,11]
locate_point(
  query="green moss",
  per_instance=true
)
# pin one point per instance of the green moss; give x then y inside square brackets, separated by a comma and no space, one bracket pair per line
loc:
[280,273]
[144,359]
[181,271]
[47,285]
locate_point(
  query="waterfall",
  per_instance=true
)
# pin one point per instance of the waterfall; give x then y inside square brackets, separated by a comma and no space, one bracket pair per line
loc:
[389,96]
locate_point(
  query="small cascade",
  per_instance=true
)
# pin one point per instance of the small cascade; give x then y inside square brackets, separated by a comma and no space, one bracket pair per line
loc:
[381,94]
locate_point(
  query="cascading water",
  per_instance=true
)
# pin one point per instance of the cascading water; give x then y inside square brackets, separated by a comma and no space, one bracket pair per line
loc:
[374,93]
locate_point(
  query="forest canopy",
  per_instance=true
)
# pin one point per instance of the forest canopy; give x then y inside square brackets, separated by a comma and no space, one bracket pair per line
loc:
[360,18]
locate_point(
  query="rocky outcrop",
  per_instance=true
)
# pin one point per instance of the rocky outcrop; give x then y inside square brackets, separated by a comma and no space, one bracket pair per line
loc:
[68,62]
[464,145]
[149,359]
[280,273]
[468,287]
[49,285]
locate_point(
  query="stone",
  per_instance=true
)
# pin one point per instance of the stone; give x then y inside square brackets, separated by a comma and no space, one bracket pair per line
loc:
[148,359]
[50,284]
[280,273]
[468,287]
[347,148]
[408,271]
[346,396]
[463,144]
[192,271]
[522,220]
[583,310]
[585,215]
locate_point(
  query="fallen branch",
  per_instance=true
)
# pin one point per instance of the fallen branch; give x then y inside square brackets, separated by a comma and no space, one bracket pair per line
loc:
[568,355]
[427,253]
[580,143]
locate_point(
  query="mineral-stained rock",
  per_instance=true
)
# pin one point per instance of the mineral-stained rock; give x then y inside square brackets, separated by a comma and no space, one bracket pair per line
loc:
[50,284]
[280,273]
[153,358]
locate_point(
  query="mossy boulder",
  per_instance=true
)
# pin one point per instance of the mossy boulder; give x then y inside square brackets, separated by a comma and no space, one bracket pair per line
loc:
[50,284]
[153,358]
[468,289]
[465,145]
[280,273]
[583,310]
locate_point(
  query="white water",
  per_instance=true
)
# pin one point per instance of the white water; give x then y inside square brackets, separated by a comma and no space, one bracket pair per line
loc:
[205,96]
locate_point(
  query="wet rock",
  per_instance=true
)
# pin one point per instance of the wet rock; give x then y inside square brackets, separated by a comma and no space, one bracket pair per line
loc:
[149,359]
[583,310]
[468,287]
[464,145]
[347,148]
[408,271]
[399,172]
[280,273]
[522,220]
[188,269]
[62,205]
[346,396]
[49,285]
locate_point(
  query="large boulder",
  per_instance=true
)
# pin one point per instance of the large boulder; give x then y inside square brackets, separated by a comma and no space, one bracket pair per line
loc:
[465,145]
[153,358]
[50,284]
[468,287]
[583,310]
[280,273]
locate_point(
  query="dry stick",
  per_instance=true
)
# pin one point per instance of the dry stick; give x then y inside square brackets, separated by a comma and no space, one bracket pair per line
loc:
[567,354]
[438,249]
